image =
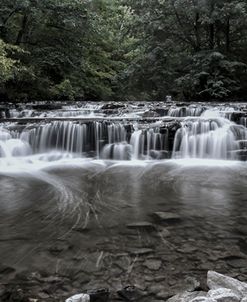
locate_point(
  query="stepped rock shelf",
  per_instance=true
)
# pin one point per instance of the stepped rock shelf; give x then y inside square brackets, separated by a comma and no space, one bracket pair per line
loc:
[126,131]
[138,198]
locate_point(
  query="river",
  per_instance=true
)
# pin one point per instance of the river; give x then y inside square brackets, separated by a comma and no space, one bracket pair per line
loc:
[102,198]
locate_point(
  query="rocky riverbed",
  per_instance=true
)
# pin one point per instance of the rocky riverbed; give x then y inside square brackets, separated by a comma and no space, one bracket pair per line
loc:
[98,204]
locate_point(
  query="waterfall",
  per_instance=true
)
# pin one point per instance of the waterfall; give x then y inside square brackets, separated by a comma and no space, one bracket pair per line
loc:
[209,136]
[186,111]
[186,132]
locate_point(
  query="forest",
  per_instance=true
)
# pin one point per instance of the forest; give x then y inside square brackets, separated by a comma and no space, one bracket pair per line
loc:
[123,50]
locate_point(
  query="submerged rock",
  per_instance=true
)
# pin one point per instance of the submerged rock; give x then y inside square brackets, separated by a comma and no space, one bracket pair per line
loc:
[131,293]
[153,264]
[166,217]
[141,225]
[142,251]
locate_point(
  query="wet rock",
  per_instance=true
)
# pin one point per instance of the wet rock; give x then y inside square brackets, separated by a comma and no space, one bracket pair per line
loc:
[186,296]
[203,299]
[4,269]
[43,295]
[237,263]
[142,251]
[141,225]
[187,249]
[14,295]
[166,217]
[99,295]
[79,298]
[131,293]
[163,232]
[192,284]
[161,111]
[224,295]
[153,264]
[150,114]
[48,106]
[216,280]
[111,106]
[236,116]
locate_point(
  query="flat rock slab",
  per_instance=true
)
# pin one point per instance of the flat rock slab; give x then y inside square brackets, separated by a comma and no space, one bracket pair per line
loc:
[166,217]
[142,251]
[141,225]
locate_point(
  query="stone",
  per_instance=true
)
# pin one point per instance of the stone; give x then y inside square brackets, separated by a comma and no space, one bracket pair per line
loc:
[4,269]
[79,298]
[130,293]
[98,295]
[203,299]
[237,263]
[150,113]
[192,284]
[142,251]
[164,232]
[187,296]
[166,216]
[141,225]
[153,264]
[216,280]
[43,295]
[224,295]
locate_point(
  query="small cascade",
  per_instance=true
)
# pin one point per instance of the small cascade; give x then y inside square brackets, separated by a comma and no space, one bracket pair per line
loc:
[12,146]
[186,111]
[209,136]
[243,121]
[117,151]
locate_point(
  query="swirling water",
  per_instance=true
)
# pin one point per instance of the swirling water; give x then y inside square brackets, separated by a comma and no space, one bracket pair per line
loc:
[69,190]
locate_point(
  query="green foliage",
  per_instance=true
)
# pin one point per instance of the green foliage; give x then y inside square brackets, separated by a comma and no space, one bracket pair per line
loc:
[211,75]
[123,50]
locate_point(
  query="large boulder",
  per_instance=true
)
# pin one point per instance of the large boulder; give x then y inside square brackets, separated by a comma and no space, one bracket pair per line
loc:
[187,296]
[224,295]
[216,281]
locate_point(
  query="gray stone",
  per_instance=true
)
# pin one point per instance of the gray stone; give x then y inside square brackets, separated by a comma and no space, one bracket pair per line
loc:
[142,251]
[141,225]
[237,263]
[203,299]
[192,284]
[216,280]
[164,232]
[224,295]
[153,264]
[186,296]
[166,216]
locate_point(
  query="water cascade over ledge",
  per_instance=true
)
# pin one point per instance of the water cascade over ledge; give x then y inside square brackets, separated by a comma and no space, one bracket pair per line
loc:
[134,133]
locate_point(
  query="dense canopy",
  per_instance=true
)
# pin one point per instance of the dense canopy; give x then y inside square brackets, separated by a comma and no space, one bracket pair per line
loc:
[123,50]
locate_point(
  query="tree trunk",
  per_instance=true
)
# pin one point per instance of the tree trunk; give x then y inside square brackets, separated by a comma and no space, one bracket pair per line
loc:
[227,34]
[22,30]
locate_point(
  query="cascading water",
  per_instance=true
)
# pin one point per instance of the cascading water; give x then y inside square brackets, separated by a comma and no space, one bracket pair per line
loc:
[209,136]
[186,132]
[186,111]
